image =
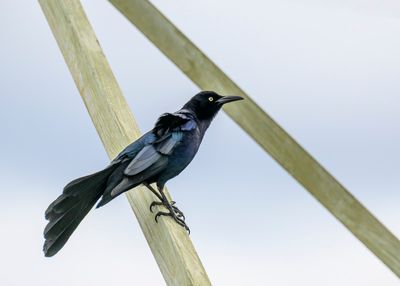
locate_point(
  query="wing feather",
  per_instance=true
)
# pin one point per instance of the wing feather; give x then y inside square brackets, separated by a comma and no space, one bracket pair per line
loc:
[144,159]
[166,147]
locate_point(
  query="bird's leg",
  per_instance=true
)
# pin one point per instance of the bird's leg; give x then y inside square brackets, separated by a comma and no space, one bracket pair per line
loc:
[155,193]
[174,212]
[164,202]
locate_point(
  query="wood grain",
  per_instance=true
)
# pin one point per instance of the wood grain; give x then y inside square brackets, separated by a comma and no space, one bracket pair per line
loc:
[264,130]
[116,126]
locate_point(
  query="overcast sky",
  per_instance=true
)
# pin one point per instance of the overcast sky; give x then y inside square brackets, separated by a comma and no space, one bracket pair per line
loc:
[328,72]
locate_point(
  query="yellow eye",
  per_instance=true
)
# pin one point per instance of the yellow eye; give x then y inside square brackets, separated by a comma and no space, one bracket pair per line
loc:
[210,98]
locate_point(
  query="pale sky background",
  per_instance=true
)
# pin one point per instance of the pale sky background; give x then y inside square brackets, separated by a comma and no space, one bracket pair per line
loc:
[327,71]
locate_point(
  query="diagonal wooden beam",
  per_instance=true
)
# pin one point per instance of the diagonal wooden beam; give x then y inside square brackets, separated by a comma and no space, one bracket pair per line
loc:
[264,130]
[170,244]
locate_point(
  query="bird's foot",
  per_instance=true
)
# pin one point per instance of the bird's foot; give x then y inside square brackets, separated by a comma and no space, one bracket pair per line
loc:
[174,212]
[177,219]
[175,209]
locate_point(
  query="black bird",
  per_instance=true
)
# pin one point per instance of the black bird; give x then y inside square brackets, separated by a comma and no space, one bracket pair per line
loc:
[156,157]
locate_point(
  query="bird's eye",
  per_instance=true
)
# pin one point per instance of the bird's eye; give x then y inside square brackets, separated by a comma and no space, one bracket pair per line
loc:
[210,98]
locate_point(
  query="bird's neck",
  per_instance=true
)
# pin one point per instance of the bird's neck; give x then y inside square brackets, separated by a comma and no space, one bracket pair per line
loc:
[203,126]
[202,122]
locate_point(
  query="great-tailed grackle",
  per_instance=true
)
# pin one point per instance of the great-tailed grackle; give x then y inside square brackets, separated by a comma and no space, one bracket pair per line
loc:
[156,157]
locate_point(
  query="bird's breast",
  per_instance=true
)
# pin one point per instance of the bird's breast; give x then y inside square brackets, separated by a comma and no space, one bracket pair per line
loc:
[182,155]
[187,148]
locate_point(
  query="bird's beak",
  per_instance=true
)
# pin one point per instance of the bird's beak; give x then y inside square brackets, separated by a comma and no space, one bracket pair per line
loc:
[227,99]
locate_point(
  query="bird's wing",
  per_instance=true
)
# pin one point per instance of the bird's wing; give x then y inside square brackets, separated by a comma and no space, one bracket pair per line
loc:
[182,120]
[135,147]
[169,130]
[143,160]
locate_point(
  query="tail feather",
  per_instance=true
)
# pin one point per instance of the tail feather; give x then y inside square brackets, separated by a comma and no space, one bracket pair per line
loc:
[53,245]
[113,181]
[68,210]
[123,186]
[58,224]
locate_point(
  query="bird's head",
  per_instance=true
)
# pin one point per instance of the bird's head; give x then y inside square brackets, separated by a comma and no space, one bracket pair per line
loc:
[206,104]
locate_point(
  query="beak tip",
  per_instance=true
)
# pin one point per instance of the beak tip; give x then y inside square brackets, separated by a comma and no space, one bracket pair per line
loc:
[230,98]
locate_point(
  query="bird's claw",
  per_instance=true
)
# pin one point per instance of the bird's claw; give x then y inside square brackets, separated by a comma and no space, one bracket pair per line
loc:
[153,204]
[174,212]
[175,209]
[178,212]
[177,219]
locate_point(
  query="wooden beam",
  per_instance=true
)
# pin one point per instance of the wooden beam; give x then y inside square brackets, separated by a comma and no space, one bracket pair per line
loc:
[264,130]
[170,244]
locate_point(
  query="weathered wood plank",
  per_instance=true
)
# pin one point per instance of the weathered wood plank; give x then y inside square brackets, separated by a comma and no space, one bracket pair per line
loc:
[264,130]
[170,244]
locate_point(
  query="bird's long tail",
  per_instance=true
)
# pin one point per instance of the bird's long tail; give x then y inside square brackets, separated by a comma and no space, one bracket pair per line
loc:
[68,210]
